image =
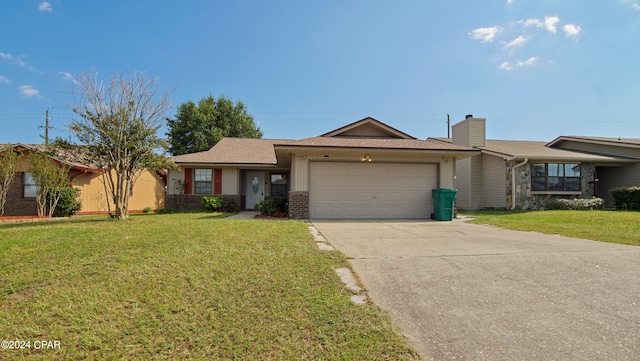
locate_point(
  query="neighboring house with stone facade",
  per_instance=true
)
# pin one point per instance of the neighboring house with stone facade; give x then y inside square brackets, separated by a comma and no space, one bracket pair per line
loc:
[364,170]
[534,172]
[147,191]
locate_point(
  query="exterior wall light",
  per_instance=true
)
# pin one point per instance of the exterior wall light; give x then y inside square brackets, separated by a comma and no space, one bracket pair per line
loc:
[366,158]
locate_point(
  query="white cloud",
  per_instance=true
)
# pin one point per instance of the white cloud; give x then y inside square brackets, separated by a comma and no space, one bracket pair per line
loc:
[635,6]
[4,79]
[509,2]
[572,30]
[28,91]
[12,58]
[68,76]
[530,22]
[518,64]
[485,35]
[519,41]
[44,6]
[550,23]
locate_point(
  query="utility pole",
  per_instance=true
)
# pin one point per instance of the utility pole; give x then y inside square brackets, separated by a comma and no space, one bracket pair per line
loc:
[448,126]
[46,127]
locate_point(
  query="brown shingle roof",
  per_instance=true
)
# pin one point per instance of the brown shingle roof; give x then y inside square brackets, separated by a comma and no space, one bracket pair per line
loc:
[378,143]
[521,149]
[69,157]
[630,142]
[235,151]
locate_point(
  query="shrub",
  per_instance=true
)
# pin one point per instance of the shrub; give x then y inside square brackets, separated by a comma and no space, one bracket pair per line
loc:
[271,206]
[146,210]
[211,203]
[69,202]
[627,198]
[229,205]
[576,204]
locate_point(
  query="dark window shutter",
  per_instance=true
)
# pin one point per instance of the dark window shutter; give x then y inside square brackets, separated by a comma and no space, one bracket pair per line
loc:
[188,180]
[217,181]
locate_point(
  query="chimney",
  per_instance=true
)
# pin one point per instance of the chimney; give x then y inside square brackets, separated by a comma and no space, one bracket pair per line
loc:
[470,132]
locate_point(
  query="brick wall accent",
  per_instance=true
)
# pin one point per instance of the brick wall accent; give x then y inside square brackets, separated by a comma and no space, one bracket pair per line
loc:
[16,204]
[299,205]
[193,202]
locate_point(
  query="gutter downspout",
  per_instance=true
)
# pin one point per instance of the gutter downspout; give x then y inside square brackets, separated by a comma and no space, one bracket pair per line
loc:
[513,182]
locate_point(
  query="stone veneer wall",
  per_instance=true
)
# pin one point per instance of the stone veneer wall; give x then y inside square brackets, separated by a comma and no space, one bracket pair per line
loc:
[526,200]
[193,202]
[299,205]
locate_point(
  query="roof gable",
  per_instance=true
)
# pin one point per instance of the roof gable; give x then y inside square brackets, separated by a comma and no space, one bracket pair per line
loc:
[368,128]
[67,157]
[535,150]
[619,142]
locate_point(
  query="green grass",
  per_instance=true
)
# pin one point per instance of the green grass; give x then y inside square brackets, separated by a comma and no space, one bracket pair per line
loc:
[182,286]
[605,226]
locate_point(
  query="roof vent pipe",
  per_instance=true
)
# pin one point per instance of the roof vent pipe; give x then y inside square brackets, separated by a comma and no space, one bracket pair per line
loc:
[468,116]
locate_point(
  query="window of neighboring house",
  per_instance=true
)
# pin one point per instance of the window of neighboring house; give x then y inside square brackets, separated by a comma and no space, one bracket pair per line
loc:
[202,181]
[29,187]
[279,185]
[557,177]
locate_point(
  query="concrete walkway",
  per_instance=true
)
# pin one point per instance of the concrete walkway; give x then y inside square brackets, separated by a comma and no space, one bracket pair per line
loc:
[469,292]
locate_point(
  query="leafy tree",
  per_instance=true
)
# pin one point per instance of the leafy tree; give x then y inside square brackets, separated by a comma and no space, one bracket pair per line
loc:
[198,127]
[118,126]
[8,169]
[69,201]
[50,177]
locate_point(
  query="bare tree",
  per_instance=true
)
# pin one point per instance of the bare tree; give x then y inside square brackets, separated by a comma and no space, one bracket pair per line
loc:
[8,170]
[117,129]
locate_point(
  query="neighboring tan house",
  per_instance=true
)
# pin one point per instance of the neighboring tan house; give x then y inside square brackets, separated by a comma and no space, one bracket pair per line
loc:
[567,167]
[147,191]
[364,170]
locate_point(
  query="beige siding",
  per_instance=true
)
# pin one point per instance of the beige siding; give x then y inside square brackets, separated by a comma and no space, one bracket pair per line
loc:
[495,178]
[299,173]
[463,183]
[230,181]
[477,183]
[610,178]
[148,191]
[470,183]
[469,132]
[376,157]
[366,130]
[447,172]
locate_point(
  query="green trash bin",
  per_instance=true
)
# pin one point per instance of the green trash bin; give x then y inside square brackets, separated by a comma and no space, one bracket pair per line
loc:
[443,203]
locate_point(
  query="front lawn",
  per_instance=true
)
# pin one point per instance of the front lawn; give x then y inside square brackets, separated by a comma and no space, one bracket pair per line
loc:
[182,286]
[606,226]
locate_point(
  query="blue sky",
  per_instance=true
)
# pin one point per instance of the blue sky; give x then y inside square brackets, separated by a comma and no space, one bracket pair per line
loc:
[536,69]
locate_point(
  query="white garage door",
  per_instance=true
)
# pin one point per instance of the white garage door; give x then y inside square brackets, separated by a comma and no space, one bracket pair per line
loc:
[371,190]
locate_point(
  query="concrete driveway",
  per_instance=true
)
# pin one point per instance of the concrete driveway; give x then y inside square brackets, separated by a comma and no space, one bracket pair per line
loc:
[468,292]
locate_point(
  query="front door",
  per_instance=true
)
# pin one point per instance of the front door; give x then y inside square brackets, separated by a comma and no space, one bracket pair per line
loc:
[254,189]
